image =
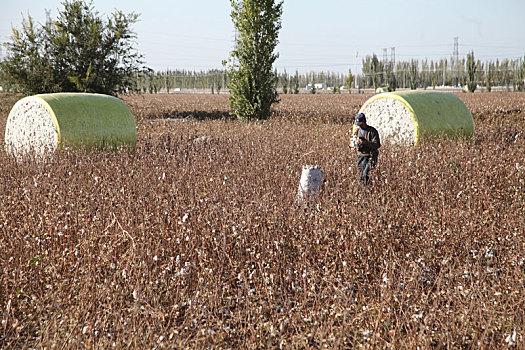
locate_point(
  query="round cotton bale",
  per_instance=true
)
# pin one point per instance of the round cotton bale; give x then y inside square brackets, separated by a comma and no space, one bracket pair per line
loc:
[409,116]
[40,124]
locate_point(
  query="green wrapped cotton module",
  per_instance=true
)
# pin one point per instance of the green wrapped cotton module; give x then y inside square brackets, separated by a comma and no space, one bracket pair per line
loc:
[40,124]
[409,116]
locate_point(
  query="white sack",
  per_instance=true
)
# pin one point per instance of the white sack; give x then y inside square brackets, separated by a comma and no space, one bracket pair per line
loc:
[310,183]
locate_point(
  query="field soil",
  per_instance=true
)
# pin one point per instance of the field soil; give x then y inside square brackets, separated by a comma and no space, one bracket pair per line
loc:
[195,240]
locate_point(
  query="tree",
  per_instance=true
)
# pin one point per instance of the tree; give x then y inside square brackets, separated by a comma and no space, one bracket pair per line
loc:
[296,83]
[251,78]
[284,82]
[521,75]
[375,69]
[433,75]
[349,80]
[414,74]
[78,51]
[219,85]
[390,77]
[424,77]
[471,72]
[168,82]
[490,76]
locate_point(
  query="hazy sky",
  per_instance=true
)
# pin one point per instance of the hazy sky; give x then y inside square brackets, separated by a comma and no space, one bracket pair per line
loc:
[315,35]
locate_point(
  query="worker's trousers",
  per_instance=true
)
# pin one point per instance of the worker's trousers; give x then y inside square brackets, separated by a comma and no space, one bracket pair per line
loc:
[364,165]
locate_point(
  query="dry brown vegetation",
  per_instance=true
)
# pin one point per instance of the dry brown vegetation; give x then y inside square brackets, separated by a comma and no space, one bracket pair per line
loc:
[194,239]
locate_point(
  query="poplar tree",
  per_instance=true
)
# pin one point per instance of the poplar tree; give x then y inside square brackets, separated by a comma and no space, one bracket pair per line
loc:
[414,74]
[471,72]
[349,81]
[375,69]
[252,80]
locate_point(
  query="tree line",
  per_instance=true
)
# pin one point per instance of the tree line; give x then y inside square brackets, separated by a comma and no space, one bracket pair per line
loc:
[506,73]
[168,81]
[468,71]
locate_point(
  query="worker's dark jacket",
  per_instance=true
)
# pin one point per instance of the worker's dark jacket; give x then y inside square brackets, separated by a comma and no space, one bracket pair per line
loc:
[371,135]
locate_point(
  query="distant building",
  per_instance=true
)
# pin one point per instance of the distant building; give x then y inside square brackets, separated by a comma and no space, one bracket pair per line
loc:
[317,86]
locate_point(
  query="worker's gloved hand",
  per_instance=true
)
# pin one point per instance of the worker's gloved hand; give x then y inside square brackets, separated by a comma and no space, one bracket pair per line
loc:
[362,142]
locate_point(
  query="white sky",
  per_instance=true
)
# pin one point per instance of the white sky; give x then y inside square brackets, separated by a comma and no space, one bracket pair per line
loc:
[321,35]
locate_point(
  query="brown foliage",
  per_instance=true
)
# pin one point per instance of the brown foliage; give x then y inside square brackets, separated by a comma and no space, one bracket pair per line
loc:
[187,243]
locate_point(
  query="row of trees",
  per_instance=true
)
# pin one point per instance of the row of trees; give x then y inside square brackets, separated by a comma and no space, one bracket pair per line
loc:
[216,80]
[168,81]
[412,74]
[462,72]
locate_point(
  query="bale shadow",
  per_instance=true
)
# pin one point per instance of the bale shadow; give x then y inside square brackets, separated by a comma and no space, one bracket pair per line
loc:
[195,115]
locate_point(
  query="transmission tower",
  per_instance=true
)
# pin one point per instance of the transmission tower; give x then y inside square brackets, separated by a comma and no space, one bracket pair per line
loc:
[48,15]
[385,55]
[393,56]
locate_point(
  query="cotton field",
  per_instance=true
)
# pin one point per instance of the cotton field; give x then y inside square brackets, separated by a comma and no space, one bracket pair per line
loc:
[201,244]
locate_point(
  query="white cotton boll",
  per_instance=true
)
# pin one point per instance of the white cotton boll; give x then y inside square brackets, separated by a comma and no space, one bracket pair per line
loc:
[511,338]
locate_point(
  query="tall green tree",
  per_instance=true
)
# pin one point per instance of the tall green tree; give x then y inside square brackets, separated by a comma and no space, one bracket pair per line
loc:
[390,76]
[284,82]
[251,78]
[77,51]
[414,74]
[433,75]
[521,75]
[296,83]
[489,76]
[471,72]
[376,69]
[348,81]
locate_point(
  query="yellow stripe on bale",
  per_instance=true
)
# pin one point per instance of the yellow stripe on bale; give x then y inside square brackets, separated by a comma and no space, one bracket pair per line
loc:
[90,120]
[431,113]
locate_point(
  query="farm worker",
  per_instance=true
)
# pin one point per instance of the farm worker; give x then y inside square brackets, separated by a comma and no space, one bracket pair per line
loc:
[366,141]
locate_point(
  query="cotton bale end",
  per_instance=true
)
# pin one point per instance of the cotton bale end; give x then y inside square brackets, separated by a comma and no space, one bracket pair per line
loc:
[409,116]
[39,125]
